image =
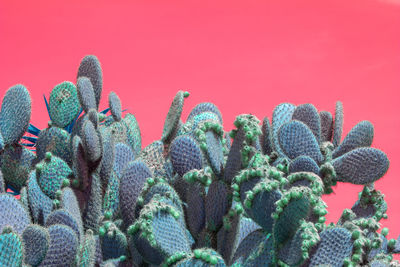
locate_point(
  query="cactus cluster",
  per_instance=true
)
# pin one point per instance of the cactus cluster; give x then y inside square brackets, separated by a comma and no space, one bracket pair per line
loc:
[89,195]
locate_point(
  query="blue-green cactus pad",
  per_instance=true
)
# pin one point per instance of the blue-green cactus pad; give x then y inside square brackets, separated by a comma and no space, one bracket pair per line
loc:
[52,175]
[173,117]
[131,184]
[40,204]
[63,104]
[205,107]
[123,155]
[86,94]
[266,137]
[296,139]
[308,114]
[215,152]
[303,164]
[63,246]
[16,163]
[282,114]
[15,114]
[56,141]
[153,155]
[216,204]
[114,244]
[36,242]
[338,124]
[360,135]
[263,205]
[185,154]
[115,106]
[336,244]
[133,133]
[90,68]
[326,126]
[69,202]
[111,196]
[63,217]
[13,214]
[361,166]
[289,220]
[11,250]
[87,252]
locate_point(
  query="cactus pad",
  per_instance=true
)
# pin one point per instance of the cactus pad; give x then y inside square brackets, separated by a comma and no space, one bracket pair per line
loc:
[11,249]
[36,242]
[115,106]
[90,68]
[15,114]
[63,104]
[63,246]
[13,214]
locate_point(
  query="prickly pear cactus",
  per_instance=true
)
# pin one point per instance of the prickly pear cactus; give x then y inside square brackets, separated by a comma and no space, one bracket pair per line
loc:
[202,195]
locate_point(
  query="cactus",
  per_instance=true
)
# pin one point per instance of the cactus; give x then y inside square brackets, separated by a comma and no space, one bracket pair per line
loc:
[56,141]
[62,248]
[16,163]
[63,104]
[63,217]
[90,68]
[199,196]
[39,203]
[11,248]
[173,117]
[13,214]
[87,253]
[2,185]
[15,114]
[52,173]
[36,242]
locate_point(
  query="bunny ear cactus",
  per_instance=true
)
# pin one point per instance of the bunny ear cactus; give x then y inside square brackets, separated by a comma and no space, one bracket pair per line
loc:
[62,248]
[11,248]
[16,163]
[14,214]
[15,114]
[36,242]
[87,250]
[157,233]
[173,117]
[326,126]
[115,106]
[40,204]
[52,174]
[56,141]
[63,104]
[338,124]
[90,68]
[199,196]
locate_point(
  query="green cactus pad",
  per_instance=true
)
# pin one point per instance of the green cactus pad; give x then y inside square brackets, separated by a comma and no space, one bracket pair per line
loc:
[51,173]
[56,141]
[16,163]
[11,249]
[63,104]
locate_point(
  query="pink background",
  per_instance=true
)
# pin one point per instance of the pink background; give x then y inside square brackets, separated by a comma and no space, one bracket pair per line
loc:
[246,58]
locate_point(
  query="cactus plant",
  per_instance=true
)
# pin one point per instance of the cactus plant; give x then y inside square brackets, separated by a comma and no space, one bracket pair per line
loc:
[90,195]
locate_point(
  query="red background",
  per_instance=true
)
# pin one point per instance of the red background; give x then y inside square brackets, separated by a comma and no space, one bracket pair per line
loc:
[245,56]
